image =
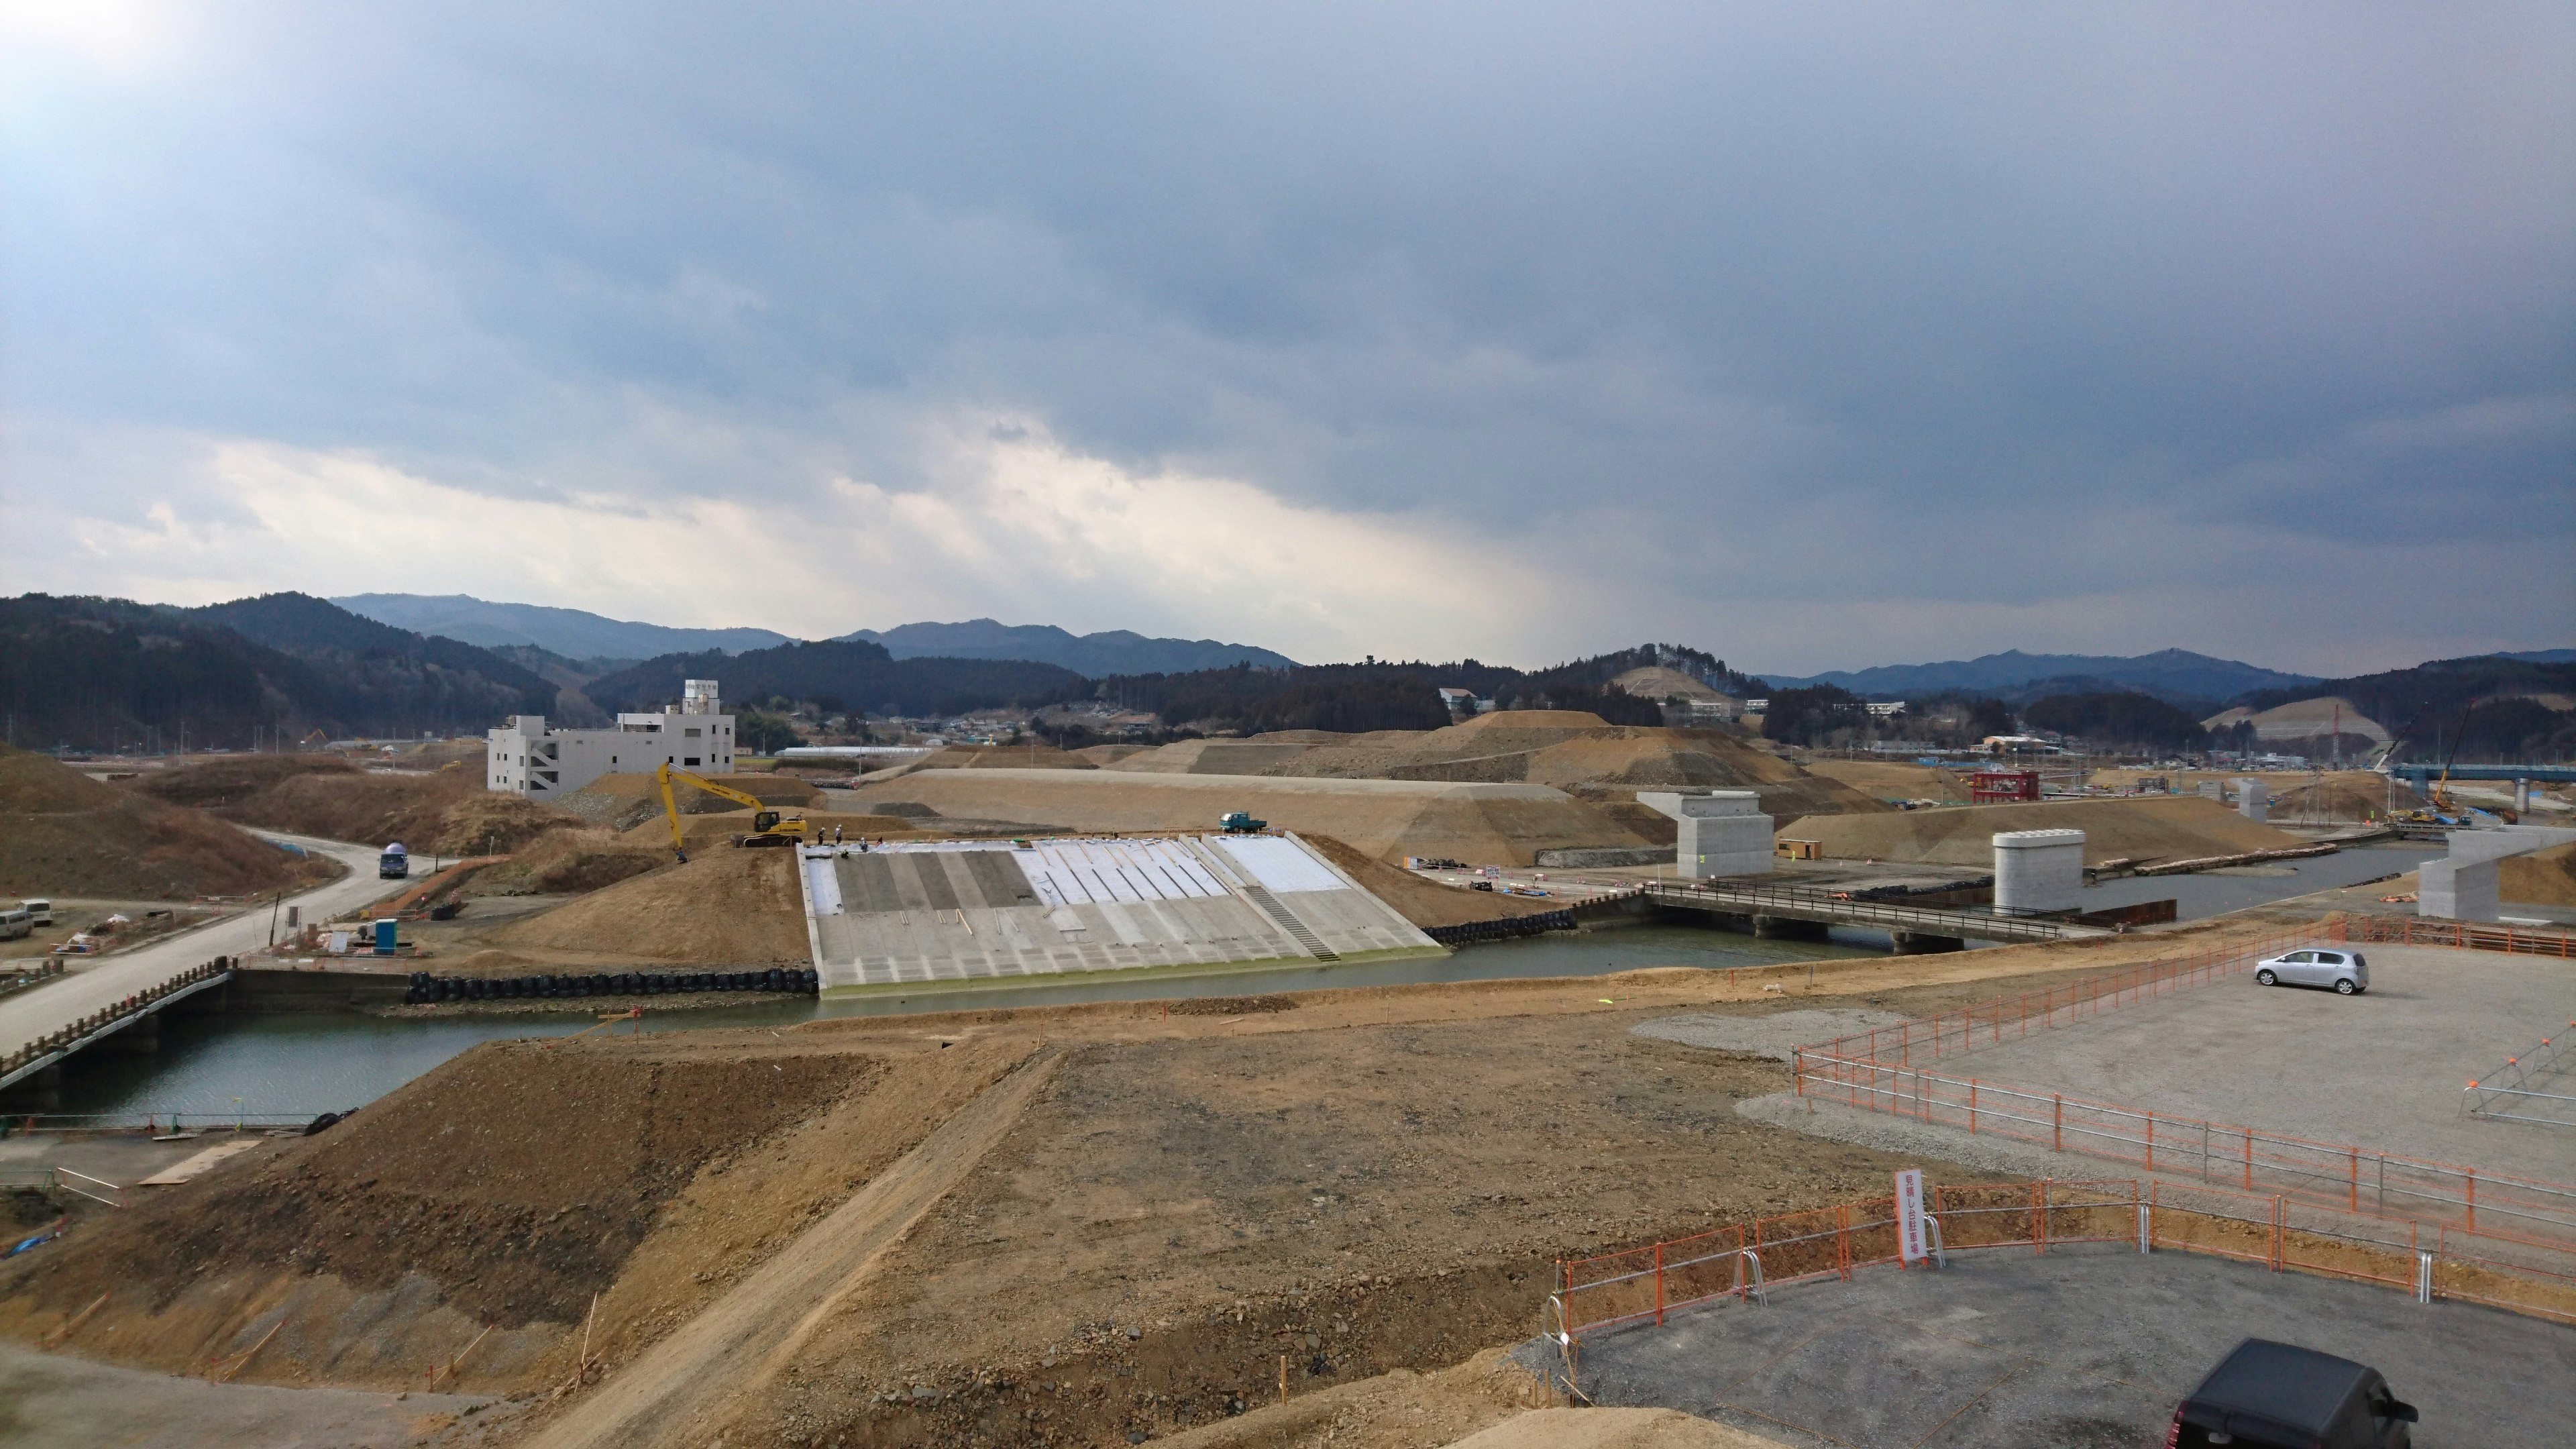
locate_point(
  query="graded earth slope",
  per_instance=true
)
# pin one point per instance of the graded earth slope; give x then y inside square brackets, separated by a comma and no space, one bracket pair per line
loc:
[1486,824]
[2146,829]
[441,811]
[65,834]
[725,907]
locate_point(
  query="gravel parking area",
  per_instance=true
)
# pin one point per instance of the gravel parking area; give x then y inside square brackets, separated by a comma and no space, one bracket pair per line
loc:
[2381,1070]
[2087,1347]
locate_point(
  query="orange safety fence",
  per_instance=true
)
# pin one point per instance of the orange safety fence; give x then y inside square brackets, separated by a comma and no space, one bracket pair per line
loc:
[2463,935]
[1646,1284]
[1640,1284]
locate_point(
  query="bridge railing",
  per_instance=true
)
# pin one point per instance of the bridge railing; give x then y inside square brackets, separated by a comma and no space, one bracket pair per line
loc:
[1926,919]
[27,1054]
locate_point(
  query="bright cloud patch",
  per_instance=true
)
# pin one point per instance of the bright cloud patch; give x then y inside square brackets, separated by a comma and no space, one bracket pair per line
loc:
[1012,525]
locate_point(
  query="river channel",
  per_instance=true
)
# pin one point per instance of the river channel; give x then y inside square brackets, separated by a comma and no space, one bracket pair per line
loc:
[306,1064]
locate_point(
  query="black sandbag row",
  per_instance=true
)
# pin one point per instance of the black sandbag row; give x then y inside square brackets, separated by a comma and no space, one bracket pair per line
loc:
[427,988]
[1509,928]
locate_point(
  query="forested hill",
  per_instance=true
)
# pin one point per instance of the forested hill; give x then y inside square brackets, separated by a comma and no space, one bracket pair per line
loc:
[845,675]
[2424,707]
[106,674]
[1386,694]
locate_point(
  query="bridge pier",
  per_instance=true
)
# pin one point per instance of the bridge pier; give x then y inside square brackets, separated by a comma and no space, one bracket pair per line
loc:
[1916,943]
[1789,928]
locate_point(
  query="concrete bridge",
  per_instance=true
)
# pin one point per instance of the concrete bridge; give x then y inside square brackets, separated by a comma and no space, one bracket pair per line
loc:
[2422,776]
[1782,912]
[103,998]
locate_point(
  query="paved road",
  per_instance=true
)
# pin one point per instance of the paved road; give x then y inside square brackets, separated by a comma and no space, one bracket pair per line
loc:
[29,1014]
[2086,1348]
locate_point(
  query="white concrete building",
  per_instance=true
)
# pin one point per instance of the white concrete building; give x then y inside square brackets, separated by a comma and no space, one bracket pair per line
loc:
[525,757]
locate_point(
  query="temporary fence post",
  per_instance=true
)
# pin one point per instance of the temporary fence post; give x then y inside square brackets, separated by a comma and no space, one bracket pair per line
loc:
[1972,1106]
[1659,1285]
[2280,1207]
[2057,1112]
[1798,1069]
[2248,1134]
[2473,1199]
[1842,1240]
[2423,1277]
[2151,1142]
[2039,1217]
[2354,1178]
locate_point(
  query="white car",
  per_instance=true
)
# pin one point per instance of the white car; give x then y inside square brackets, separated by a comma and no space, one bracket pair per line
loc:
[2345,971]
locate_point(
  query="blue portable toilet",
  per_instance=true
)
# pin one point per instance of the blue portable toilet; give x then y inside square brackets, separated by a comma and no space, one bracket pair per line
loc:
[385,936]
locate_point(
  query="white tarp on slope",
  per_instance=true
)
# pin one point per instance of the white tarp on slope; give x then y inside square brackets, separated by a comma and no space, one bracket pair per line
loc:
[1281,865]
[1094,872]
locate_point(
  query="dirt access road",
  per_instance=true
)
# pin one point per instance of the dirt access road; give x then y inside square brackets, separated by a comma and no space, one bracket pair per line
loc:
[27,1015]
[685,1389]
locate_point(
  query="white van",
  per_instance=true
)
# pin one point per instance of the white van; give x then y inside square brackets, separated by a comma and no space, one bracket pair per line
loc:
[43,911]
[16,923]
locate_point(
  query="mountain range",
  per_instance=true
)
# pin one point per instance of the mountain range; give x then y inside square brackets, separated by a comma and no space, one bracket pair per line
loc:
[2171,674]
[1094,656]
[572,633]
[580,636]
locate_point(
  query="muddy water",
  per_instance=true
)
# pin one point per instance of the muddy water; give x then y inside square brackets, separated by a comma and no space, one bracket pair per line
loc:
[284,1065]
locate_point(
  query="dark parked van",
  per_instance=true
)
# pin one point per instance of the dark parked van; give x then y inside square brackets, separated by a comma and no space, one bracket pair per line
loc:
[2268,1395]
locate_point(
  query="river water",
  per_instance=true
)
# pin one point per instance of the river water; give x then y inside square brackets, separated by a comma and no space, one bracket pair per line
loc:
[306,1064]
[288,1065]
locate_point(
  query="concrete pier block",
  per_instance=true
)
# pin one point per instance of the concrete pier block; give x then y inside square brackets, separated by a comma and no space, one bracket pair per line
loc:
[2039,870]
[1723,832]
[2253,799]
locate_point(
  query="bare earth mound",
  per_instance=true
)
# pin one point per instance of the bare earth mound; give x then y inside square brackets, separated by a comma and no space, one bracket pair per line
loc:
[1390,819]
[65,834]
[1424,903]
[725,906]
[2147,829]
[504,1188]
[441,811]
[2542,878]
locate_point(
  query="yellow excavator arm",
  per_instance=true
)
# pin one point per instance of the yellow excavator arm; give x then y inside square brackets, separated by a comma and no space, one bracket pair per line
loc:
[766,824]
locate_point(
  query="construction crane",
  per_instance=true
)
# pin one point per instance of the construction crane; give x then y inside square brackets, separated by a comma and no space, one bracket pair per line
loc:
[768,826]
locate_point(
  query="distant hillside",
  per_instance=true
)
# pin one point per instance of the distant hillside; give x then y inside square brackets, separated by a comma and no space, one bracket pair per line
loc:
[845,674]
[571,633]
[100,674]
[1117,651]
[2540,656]
[2175,675]
[2423,707]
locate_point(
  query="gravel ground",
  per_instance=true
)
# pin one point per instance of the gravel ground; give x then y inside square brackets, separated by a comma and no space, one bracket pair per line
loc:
[1774,1035]
[1884,1132]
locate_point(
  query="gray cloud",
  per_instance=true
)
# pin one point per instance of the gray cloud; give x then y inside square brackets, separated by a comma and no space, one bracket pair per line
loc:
[1978,327]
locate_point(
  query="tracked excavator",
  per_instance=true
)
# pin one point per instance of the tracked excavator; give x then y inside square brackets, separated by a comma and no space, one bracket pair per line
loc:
[768,825]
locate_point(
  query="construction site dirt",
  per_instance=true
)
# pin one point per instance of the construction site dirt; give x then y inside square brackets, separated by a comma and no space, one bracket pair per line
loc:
[1357,1181]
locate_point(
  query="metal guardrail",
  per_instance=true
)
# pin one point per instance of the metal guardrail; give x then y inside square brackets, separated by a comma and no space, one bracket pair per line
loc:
[1824,907]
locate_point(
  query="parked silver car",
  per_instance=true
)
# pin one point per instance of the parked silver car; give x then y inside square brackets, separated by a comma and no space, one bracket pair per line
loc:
[2345,971]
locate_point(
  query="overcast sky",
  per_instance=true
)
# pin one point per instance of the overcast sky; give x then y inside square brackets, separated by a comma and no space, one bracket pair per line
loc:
[1818,336]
